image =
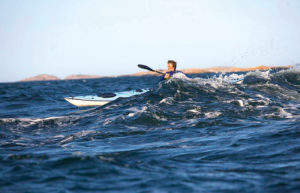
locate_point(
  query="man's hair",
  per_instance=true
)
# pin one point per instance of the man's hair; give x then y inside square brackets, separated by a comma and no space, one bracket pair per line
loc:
[174,64]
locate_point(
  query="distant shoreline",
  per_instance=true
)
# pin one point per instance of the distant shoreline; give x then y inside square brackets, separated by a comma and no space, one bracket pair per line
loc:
[47,77]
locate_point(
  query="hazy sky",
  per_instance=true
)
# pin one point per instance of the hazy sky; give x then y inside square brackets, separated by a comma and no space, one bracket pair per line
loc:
[110,37]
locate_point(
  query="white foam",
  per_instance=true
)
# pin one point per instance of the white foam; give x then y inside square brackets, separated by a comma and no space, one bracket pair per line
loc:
[241,103]
[195,111]
[180,76]
[27,122]
[84,133]
[131,114]
[68,139]
[285,114]
[136,111]
[281,112]
[261,74]
[168,100]
[59,136]
[212,114]
[107,121]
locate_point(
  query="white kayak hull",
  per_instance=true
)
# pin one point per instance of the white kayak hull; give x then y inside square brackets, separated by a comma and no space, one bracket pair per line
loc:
[94,100]
[85,103]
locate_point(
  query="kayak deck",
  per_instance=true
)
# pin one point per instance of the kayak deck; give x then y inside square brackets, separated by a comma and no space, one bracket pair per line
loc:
[85,103]
[94,100]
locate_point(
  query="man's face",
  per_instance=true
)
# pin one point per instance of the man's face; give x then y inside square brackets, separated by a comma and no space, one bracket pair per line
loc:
[170,67]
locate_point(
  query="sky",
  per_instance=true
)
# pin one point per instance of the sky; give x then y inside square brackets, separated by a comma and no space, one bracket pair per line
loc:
[101,37]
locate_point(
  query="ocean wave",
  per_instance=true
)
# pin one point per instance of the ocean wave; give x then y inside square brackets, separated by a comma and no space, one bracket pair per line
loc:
[197,134]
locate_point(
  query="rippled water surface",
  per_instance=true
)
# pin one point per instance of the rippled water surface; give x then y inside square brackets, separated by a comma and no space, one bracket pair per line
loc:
[197,134]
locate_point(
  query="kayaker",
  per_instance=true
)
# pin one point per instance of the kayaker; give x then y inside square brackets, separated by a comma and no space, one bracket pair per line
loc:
[171,70]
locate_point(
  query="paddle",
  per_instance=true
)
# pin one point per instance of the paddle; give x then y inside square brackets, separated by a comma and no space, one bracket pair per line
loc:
[148,68]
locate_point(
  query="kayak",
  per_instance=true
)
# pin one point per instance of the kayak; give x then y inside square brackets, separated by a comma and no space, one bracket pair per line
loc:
[102,98]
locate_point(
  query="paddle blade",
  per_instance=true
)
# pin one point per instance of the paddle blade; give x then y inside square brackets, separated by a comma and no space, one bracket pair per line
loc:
[145,67]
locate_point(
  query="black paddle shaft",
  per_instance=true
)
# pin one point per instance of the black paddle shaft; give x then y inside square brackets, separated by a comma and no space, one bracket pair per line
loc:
[148,68]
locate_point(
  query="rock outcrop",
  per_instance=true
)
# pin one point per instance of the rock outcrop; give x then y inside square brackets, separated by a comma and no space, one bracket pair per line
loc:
[41,77]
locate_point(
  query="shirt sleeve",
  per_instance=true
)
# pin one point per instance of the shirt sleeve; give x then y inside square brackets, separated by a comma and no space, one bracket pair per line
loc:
[162,77]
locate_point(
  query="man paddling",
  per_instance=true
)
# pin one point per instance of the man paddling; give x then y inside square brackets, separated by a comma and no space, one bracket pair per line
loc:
[171,70]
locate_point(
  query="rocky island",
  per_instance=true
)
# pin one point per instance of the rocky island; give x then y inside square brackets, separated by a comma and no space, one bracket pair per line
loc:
[41,77]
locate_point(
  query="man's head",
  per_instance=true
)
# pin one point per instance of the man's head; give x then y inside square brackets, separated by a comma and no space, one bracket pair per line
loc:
[171,65]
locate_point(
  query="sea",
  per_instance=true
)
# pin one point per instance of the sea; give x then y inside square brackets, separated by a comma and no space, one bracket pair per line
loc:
[188,134]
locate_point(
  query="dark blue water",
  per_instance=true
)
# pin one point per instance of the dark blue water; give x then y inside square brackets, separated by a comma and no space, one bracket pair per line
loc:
[185,135]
